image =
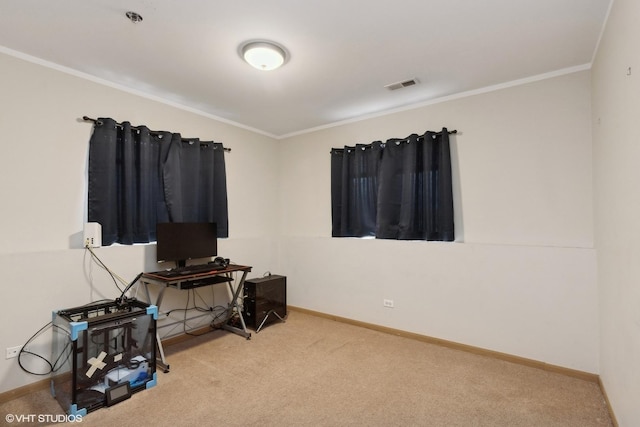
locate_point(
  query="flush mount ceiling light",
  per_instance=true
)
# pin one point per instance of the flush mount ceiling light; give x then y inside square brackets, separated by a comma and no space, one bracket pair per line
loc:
[263,55]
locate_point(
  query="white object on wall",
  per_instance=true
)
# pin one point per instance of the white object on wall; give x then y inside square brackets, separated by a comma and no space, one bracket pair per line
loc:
[92,235]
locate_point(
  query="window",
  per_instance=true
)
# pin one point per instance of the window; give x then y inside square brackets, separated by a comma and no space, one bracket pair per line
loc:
[400,189]
[138,178]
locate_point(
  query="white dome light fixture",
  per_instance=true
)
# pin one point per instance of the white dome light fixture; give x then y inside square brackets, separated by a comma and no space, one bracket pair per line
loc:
[263,55]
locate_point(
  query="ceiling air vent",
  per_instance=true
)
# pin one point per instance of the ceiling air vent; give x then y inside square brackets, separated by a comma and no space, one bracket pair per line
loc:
[399,85]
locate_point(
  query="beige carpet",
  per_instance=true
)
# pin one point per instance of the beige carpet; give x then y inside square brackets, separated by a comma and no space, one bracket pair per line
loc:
[313,371]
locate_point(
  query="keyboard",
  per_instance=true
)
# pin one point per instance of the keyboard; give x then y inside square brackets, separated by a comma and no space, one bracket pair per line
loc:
[189,270]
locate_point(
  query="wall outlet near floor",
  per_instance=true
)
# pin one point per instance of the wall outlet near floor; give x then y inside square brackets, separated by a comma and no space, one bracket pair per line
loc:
[387,303]
[13,352]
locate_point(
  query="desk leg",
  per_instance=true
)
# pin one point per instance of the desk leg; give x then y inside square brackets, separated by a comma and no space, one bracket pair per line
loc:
[266,317]
[163,360]
[234,304]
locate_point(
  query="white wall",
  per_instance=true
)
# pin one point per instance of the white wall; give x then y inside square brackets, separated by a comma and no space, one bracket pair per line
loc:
[43,192]
[520,279]
[616,112]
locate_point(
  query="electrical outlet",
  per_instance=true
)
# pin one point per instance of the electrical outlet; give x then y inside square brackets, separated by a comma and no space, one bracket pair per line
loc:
[13,352]
[387,303]
[92,234]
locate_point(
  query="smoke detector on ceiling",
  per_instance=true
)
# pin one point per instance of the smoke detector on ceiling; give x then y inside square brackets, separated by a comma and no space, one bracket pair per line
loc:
[400,85]
[134,17]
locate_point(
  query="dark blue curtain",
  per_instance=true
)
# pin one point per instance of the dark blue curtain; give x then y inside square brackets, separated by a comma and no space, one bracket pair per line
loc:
[354,190]
[195,183]
[138,178]
[415,191]
[401,189]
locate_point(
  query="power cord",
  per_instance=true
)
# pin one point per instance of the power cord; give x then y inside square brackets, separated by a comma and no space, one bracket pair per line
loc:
[103,266]
[54,366]
[60,360]
[195,307]
[23,351]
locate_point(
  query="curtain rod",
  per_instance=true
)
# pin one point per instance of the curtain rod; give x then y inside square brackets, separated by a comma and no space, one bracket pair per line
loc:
[339,150]
[89,119]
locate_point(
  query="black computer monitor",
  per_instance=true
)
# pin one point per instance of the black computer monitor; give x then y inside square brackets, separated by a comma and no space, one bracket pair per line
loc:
[180,241]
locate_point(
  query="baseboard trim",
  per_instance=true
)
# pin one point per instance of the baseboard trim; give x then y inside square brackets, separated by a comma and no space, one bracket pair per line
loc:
[176,339]
[608,403]
[586,376]
[25,390]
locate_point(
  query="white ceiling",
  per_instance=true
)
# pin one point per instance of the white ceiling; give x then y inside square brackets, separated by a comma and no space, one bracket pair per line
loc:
[342,52]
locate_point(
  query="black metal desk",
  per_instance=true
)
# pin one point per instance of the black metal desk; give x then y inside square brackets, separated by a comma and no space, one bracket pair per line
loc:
[197,280]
